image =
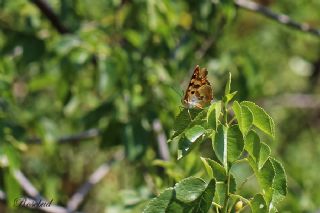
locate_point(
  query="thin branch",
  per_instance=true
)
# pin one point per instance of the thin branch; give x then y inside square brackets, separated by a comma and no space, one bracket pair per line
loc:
[75,200]
[45,8]
[35,195]
[281,18]
[94,178]
[208,43]
[49,209]
[85,135]
[26,185]
[205,47]
[89,134]
[161,139]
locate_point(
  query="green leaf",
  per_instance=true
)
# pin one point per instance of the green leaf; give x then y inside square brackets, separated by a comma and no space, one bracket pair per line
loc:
[207,166]
[214,114]
[227,8]
[227,95]
[279,183]
[252,145]
[235,143]
[258,204]
[67,43]
[233,184]
[188,133]
[189,195]
[264,154]
[228,144]
[12,187]
[194,133]
[230,96]
[214,169]
[12,155]
[244,117]
[80,56]
[160,203]
[134,37]
[219,145]
[221,189]
[183,121]
[260,118]
[189,140]
[184,146]
[228,86]
[220,194]
[177,206]
[265,177]
[204,202]
[190,189]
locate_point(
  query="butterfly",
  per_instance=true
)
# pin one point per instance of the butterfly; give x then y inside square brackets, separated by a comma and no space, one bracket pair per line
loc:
[199,92]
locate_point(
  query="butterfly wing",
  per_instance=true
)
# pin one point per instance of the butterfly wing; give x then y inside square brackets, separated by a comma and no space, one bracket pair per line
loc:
[199,90]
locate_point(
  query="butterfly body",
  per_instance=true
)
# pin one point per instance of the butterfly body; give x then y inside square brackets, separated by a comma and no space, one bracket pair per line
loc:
[199,91]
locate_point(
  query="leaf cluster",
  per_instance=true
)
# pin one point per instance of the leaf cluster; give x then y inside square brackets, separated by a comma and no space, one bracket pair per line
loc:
[232,128]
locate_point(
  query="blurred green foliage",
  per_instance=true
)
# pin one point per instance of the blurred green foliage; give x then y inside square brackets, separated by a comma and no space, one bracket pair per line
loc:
[122,66]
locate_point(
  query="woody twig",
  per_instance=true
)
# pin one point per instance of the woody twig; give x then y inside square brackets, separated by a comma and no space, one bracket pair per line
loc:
[280,18]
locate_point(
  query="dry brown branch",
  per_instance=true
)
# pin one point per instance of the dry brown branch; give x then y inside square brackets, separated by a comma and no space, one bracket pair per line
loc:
[94,178]
[280,18]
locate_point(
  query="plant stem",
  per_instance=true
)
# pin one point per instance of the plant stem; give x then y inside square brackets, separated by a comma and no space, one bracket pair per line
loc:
[226,201]
[241,198]
[233,119]
[217,206]
[225,115]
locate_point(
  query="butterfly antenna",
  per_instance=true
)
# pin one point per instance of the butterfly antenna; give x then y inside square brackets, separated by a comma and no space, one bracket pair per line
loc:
[177,91]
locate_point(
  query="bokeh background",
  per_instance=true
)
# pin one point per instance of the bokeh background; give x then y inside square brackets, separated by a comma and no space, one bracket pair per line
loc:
[92,83]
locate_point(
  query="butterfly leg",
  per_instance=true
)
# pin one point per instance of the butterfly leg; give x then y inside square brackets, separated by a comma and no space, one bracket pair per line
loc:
[190,115]
[199,105]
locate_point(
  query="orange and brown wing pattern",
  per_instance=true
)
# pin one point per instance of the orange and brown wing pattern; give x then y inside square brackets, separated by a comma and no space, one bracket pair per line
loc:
[199,91]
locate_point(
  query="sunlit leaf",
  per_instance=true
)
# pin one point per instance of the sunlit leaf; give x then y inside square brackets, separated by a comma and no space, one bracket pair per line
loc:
[214,114]
[194,133]
[258,204]
[191,194]
[279,183]
[189,189]
[244,117]
[252,145]
[264,154]
[160,203]
[265,177]
[228,86]
[228,144]
[214,169]
[260,118]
